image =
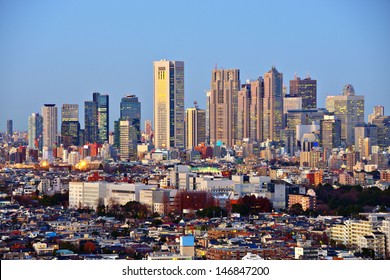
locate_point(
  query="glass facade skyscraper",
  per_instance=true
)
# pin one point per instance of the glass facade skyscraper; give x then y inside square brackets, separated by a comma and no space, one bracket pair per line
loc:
[91,121]
[169,104]
[35,128]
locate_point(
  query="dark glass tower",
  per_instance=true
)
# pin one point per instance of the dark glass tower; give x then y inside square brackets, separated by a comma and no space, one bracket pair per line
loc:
[103,116]
[307,89]
[91,121]
[127,128]
[131,111]
[70,126]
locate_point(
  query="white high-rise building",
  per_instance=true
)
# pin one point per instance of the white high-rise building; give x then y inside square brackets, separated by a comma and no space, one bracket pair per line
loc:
[50,124]
[168,104]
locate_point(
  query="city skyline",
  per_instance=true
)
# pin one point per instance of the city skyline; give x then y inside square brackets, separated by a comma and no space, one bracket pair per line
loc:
[47,57]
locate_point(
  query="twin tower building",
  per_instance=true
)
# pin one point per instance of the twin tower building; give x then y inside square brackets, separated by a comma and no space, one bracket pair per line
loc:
[234,112]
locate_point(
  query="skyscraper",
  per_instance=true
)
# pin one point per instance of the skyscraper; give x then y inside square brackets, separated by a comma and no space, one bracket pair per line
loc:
[349,109]
[208,94]
[35,129]
[379,111]
[127,140]
[307,89]
[102,101]
[365,134]
[70,112]
[168,104]
[127,128]
[273,105]
[195,127]
[330,131]
[91,121]
[243,115]
[130,109]
[50,123]
[383,124]
[10,129]
[225,85]
[70,126]
[148,131]
[250,111]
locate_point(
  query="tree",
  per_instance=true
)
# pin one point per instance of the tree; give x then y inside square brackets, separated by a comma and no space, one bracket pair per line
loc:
[211,212]
[89,247]
[296,209]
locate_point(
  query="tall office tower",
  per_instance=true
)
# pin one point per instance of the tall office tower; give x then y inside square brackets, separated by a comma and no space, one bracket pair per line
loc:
[148,131]
[330,132]
[379,111]
[127,140]
[292,103]
[70,126]
[91,121]
[208,94]
[102,101]
[273,105]
[256,110]
[168,104]
[307,89]
[195,127]
[70,112]
[243,113]
[363,132]
[130,109]
[349,109]
[50,122]
[10,129]
[35,128]
[383,124]
[225,85]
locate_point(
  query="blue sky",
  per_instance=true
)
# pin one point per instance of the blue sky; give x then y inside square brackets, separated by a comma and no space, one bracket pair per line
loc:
[63,51]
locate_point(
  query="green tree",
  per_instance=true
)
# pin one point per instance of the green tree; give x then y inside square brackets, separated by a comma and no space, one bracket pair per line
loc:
[296,209]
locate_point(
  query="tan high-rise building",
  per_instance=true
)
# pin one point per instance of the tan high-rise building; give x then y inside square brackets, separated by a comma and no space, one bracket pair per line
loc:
[273,105]
[250,111]
[225,85]
[168,104]
[379,111]
[50,124]
[195,127]
[349,109]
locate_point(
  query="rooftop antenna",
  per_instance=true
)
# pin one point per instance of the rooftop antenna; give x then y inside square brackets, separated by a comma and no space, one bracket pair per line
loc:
[308,75]
[216,66]
[295,75]
[196,104]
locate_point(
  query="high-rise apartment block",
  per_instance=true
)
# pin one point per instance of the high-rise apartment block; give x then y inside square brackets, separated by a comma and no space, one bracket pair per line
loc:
[349,109]
[168,104]
[306,89]
[195,127]
[273,105]
[223,107]
[50,124]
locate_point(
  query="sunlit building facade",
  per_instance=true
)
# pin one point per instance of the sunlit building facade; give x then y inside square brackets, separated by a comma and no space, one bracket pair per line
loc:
[169,104]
